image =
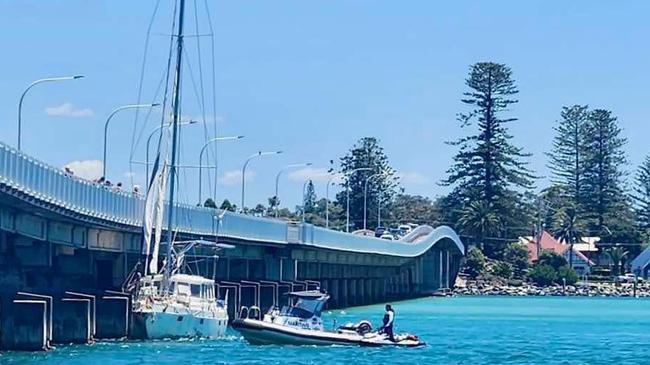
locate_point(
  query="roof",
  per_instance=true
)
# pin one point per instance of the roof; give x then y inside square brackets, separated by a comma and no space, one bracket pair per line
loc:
[586,244]
[191,279]
[307,294]
[548,243]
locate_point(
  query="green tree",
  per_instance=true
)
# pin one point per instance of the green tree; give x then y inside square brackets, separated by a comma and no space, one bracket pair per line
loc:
[552,259]
[517,256]
[570,229]
[226,205]
[550,201]
[274,203]
[568,274]
[641,195]
[407,208]
[480,220]
[366,153]
[474,262]
[502,269]
[209,203]
[259,210]
[488,168]
[566,159]
[603,170]
[618,255]
[310,198]
[542,275]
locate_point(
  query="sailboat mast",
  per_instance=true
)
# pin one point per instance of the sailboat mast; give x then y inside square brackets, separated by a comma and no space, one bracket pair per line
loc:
[176,117]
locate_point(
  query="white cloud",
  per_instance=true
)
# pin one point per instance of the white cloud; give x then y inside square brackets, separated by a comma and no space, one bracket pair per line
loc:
[233,177]
[68,110]
[87,169]
[316,174]
[412,178]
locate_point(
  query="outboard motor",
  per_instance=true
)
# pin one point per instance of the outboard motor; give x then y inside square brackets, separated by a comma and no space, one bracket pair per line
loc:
[361,327]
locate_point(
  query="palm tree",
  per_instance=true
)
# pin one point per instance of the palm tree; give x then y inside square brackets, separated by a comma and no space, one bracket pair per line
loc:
[618,255]
[479,219]
[569,229]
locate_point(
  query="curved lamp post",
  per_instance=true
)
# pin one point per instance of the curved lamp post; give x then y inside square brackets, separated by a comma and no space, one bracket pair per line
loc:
[277,181]
[327,199]
[22,97]
[347,188]
[158,128]
[243,173]
[365,199]
[213,140]
[108,120]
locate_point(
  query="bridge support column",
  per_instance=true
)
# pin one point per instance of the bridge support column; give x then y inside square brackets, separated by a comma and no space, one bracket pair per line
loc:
[71,322]
[352,292]
[369,291]
[361,295]
[272,266]
[345,298]
[334,292]
[25,325]
[288,269]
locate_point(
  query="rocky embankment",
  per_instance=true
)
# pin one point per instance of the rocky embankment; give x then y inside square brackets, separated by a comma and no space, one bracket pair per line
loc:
[580,289]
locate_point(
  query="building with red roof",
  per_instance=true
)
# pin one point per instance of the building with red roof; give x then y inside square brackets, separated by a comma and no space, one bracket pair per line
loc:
[581,264]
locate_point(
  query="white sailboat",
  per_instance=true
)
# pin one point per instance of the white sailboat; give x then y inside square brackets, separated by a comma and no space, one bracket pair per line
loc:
[168,303]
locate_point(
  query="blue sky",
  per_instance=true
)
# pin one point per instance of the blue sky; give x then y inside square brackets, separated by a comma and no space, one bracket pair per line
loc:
[312,77]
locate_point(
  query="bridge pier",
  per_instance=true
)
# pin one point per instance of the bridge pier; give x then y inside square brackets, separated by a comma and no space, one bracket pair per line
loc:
[71,322]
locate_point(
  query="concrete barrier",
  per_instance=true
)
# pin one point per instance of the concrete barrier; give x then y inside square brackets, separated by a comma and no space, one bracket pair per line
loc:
[112,317]
[24,325]
[92,308]
[71,321]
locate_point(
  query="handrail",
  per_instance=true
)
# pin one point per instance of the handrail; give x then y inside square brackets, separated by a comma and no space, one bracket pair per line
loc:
[23,175]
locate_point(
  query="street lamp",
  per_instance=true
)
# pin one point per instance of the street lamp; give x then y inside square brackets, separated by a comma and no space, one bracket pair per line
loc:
[243,173]
[327,199]
[154,132]
[365,198]
[347,188]
[20,103]
[131,106]
[216,139]
[277,181]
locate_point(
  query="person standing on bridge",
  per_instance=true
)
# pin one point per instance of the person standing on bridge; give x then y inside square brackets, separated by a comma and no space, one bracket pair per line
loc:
[389,319]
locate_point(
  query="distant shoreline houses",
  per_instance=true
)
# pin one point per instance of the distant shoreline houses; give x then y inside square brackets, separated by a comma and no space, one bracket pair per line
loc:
[579,257]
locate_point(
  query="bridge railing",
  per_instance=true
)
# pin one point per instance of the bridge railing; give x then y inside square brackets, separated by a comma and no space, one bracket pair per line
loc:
[53,185]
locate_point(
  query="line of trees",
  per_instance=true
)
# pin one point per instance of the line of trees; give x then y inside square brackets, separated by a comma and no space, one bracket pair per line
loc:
[493,195]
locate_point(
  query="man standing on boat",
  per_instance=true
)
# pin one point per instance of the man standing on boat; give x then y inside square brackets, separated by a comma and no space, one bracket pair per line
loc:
[389,318]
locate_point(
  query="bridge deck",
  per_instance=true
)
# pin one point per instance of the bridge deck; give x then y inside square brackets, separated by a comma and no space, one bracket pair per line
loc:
[51,188]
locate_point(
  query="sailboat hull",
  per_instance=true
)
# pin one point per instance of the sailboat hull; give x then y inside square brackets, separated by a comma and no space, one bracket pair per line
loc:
[179,323]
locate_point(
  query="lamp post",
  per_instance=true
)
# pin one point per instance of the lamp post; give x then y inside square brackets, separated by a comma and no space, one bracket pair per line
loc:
[277,181]
[347,188]
[365,199]
[216,139]
[108,120]
[152,134]
[327,199]
[243,173]
[22,97]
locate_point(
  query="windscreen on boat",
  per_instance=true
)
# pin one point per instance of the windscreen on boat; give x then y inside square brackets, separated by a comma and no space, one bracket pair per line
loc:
[311,307]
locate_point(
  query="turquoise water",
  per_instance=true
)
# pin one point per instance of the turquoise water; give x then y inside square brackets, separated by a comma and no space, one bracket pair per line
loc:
[481,330]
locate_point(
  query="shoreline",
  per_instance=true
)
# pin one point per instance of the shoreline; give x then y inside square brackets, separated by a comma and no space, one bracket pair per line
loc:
[531,290]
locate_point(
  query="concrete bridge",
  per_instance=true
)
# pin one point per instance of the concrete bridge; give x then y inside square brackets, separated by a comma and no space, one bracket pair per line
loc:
[60,234]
